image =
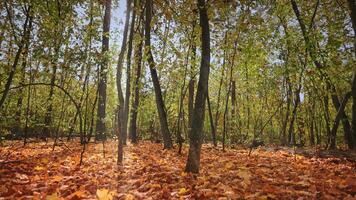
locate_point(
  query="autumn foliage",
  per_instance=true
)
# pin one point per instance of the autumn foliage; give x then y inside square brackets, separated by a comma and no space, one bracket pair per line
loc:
[149,172]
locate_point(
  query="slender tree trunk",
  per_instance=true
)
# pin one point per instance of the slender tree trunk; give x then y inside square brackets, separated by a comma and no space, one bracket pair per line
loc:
[311,121]
[128,73]
[285,121]
[213,134]
[195,135]
[48,117]
[101,113]
[121,106]
[190,103]
[17,127]
[180,119]
[233,100]
[157,87]
[135,103]
[352,7]
[217,113]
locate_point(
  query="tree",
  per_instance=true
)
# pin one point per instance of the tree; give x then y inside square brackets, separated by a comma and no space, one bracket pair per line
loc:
[195,134]
[100,122]
[167,140]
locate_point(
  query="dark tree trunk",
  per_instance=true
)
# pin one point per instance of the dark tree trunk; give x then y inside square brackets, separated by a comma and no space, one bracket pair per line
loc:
[157,87]
[128,74]
[217,112]
[213,134]
[46,132]
[190,103]
[332,138]
[352,7]
[233,100]
[180,119]
[285,120]
[101,113]
[228,94]
[195,134]
[311,121]
[327,117]
[135,103]
[291,133]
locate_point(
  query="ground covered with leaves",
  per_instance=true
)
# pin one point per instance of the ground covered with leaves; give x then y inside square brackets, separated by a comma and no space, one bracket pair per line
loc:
[149,172]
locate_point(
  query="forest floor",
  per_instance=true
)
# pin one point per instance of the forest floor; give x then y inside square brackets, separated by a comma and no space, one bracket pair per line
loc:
[149,172]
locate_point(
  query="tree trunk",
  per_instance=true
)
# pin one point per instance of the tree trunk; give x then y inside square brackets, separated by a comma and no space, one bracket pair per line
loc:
[128,73]
[190,103]
[213,134]
[285,120]
[352,7]
[233,100]
[121,106]
[157,87]
[101,113]
[327,117]
[195,135]
[311,121]
[135,103]
[332,139]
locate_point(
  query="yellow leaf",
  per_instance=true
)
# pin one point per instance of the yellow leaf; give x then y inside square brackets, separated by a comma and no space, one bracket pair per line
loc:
[57,178]
[182,191]
[38,168]
[229,165]
[184,174]
[105,194]
[44,160]
[129,197]
[154,185]
[53,196]
[245,174]
[79,193]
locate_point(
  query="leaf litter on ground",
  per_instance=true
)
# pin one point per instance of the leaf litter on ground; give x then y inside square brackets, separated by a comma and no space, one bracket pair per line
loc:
[149,172]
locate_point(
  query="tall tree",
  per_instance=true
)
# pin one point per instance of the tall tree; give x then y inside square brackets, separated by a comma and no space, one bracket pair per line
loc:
[101,113]
[121,108]
[128,72]
[135,102]
[195,134]
[167,140]
[352,7]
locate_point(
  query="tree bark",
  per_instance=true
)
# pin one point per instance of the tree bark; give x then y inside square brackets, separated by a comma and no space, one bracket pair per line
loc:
[121,106]
[135,103]
[190,102]
[101,113]
[213,134]
[352,7]
[128,73]
[157,87]
[332,138]
[195,134]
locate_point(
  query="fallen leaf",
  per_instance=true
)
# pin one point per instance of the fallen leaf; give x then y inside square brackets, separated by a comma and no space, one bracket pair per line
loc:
[53,196]
[38,168]
[182,191]
[105,194]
